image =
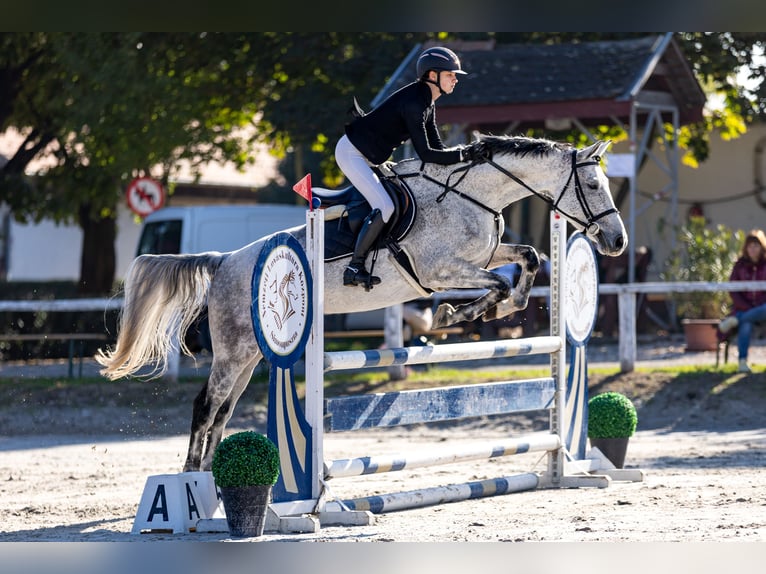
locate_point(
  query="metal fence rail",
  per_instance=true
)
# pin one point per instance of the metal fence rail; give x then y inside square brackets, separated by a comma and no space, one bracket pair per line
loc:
[61,305]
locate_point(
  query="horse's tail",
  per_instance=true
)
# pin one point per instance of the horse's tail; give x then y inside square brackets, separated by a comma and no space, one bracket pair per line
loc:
[164,294]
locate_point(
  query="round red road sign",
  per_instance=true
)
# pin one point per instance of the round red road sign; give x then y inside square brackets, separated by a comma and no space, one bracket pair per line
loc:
[145,195]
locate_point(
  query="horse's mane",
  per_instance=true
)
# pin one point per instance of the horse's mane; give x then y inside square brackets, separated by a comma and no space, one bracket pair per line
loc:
[516,145]
[521,146]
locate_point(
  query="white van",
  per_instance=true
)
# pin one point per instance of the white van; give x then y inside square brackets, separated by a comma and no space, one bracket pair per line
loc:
[200,228]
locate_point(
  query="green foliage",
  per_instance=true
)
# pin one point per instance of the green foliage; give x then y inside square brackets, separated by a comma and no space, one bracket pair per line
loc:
[244,459]
[162,98]
[611,415]
[708,254]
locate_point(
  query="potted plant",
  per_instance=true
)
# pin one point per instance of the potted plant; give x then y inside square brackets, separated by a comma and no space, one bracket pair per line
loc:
[245,468]
[707,254]
[612,420]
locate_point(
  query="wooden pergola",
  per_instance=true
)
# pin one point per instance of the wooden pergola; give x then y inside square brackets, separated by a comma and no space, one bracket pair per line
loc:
[640,84]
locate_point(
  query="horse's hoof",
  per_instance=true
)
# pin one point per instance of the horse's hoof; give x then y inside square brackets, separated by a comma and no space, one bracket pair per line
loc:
[444,316]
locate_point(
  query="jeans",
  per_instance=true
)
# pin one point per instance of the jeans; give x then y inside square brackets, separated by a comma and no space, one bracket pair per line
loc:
[746,321]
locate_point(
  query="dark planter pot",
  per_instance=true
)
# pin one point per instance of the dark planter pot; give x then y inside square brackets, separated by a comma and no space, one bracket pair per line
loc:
[613,448]
[245,508]
[700,334]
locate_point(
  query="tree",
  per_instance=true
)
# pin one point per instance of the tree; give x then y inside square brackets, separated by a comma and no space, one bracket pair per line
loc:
[315,78]
[107,107]
[719,60]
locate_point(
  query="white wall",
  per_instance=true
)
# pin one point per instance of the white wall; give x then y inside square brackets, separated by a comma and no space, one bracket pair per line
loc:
[722,184]
[46,251]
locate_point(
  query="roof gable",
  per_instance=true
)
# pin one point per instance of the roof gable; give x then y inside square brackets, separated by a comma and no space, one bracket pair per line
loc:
[590,80]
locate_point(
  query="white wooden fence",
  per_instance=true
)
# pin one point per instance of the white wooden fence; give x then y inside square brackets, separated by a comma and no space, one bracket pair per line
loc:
[626,297]
[626,302]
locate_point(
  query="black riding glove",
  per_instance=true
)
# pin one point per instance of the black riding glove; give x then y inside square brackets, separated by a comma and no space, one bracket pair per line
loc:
[477,152]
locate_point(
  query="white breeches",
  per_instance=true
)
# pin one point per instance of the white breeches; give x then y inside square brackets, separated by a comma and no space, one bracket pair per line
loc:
[359,172]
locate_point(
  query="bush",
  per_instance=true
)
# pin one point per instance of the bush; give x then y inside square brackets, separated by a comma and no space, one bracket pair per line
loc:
[708,254]
[245,459]
[611,415]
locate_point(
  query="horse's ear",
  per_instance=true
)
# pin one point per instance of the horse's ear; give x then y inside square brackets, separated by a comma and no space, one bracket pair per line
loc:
[602,147]
[597,149]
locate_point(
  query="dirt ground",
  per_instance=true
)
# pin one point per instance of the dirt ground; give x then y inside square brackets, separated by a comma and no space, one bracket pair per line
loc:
[75,457]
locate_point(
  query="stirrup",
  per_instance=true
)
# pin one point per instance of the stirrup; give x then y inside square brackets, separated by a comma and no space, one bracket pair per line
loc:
[355,277]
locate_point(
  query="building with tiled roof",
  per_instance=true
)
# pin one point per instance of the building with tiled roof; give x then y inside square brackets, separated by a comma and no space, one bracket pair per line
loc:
[641,84]
[523,85]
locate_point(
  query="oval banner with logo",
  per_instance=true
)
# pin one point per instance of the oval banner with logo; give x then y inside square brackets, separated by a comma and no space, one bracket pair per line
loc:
[282,312]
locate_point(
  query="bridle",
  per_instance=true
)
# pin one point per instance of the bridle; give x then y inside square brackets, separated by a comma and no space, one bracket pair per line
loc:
[589,226]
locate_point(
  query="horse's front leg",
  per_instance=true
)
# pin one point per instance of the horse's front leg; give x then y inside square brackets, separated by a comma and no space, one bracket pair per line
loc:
[467,276]
[529,261]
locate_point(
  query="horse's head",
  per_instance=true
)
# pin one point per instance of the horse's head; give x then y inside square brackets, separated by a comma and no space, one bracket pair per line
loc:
[571,181]
[586,201]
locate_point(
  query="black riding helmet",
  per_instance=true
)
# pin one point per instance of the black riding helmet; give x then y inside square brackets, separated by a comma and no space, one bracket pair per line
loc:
[440,60]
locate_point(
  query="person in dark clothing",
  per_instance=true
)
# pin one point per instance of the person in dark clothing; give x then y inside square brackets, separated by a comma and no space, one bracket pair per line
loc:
[370,139]
[749,307]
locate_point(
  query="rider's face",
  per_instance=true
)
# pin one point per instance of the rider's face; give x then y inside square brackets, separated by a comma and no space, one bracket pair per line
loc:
[754,250]
[448,81]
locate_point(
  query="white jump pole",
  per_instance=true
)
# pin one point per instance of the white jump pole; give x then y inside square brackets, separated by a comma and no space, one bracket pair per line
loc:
[423,497]
[314,355]
[485,451]
[558,235]
[447,352]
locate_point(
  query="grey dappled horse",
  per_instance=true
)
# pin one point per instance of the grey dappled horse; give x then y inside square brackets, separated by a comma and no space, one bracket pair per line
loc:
[454,242]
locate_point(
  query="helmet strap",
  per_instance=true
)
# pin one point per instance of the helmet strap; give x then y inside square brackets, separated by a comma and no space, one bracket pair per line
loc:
[438,82]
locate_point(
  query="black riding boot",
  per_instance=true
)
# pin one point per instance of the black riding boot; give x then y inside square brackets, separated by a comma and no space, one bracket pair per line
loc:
[356,273]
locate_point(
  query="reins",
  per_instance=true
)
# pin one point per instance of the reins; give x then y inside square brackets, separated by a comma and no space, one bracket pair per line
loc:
[587,226]
[452,188]
[579,194]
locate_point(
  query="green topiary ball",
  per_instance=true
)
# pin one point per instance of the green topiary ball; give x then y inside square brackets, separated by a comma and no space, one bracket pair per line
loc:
[245,459]
[611,415]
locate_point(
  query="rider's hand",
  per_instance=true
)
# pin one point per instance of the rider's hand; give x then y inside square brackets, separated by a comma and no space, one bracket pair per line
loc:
[477,152]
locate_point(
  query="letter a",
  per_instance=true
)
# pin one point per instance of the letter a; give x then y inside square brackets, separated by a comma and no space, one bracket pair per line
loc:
[159,504]
[191,503]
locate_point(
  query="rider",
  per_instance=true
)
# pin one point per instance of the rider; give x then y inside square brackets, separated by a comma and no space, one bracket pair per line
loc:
[370,139]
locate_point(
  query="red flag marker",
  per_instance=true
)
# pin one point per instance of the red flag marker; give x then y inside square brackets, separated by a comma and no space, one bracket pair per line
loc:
[303,188]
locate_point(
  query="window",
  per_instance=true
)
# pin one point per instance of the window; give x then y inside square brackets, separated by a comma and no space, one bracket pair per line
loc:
[160,237]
